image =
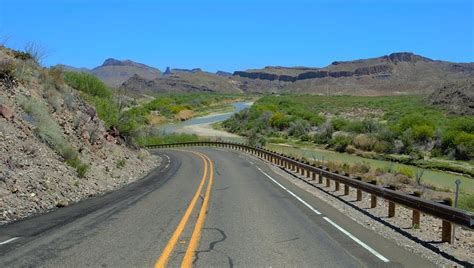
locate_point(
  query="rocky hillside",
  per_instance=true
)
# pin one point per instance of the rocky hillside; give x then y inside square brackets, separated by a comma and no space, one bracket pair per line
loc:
[457,97]
[114,72]
[54,150]
[397,73]
[178,80]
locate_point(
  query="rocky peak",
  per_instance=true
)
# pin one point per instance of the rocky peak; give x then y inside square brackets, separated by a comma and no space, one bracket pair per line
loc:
[407,57]
[115,62]
[168,71]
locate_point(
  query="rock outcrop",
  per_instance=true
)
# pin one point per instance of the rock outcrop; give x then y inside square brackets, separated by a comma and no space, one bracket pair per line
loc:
[457,97]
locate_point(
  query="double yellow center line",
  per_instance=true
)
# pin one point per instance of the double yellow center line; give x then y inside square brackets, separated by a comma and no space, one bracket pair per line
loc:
[196,235]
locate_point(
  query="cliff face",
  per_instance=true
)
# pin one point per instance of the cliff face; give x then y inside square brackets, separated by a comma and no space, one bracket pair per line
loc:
[382,65]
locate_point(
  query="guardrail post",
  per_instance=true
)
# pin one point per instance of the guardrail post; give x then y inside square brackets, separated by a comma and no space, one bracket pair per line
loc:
[359,192]
[447,229]
[391,205]
[336,186]
[373,198]
[320,176]
[328,182]
[415,220]
[346,189]
[313,173]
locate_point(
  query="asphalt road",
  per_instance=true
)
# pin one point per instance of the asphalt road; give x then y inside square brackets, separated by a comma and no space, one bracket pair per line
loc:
[213,208]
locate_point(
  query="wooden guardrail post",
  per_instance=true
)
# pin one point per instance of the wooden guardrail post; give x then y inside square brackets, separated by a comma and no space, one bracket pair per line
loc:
[447,227]
[415,220]
[320,175]
[373,198]
[391,205]
[336,185]
[328,182]
[358,192]
[313,174]
[346,189]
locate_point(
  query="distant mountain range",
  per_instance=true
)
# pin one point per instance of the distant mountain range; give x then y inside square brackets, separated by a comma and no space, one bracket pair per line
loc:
[114,72]
[397,73]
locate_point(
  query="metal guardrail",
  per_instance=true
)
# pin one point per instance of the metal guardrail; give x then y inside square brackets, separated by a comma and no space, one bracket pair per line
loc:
[442,211]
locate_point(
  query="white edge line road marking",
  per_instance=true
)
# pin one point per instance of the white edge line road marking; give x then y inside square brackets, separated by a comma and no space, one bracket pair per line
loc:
[9,240]
[371,250]
[380,256]
[290,192]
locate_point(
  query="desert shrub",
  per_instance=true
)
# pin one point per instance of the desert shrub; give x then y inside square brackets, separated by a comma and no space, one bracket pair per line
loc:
[464,143]
[339,123]
[88,84]
[54,99]
[120,163]
[364,142]
[360,168]
[382,147]
[466,202]
[411,120]
[35,51]
[46,128]
[316,120]
[80,167]
[280,121]
[298,128]
[351,149]
[166,138]
[340,142]
[7,73]
[406,171]
[255,139]
[106,109]
[56,75]
[69,101]
[422,132]
[325,133]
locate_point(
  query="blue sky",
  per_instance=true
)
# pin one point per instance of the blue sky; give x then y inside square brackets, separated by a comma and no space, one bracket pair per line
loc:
[237,35]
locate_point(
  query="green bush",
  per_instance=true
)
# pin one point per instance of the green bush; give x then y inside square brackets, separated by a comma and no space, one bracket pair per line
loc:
[422,132]
[464,143]
[466,202]
[406,171]
[120,163]
[80,167]
[364,142]
[340,142]
[166,138]
[88,84]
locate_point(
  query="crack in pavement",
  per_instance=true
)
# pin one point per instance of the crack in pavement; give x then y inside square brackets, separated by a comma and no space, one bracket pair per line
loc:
[212,245]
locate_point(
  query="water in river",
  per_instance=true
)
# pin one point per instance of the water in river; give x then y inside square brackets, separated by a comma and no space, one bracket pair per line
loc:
[205,120]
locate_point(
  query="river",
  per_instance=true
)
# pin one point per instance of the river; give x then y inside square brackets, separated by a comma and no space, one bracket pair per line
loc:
[202,125]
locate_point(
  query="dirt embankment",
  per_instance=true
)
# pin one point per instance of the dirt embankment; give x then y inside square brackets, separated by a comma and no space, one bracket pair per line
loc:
[54,150]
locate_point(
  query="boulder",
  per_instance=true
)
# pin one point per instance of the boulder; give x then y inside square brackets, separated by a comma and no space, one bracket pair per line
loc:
[6,112]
